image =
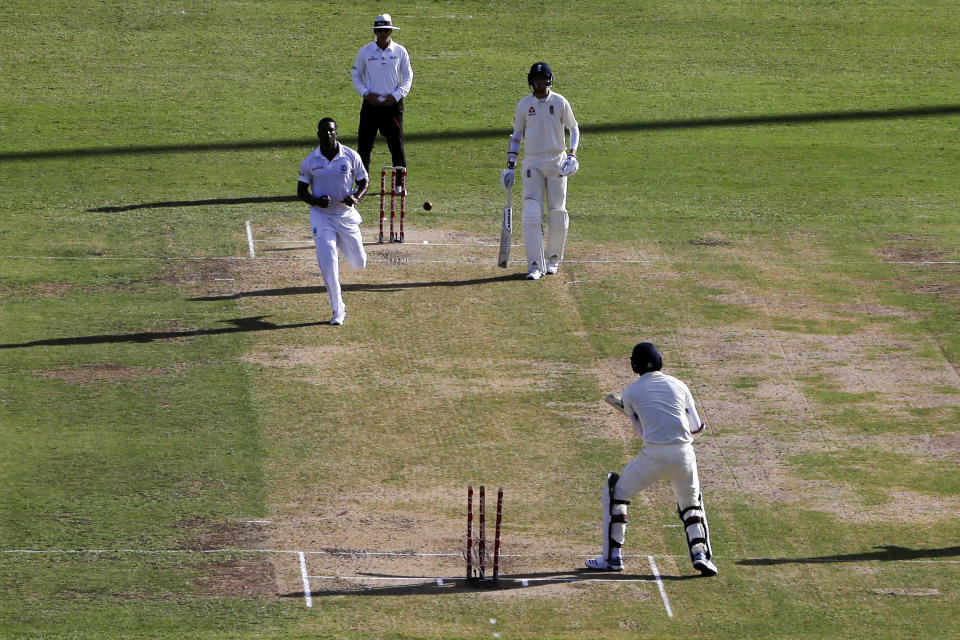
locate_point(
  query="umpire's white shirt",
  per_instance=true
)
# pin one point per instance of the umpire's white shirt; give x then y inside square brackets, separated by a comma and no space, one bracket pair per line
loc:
[540,124]
[335,178]
[661,409]
[382,71]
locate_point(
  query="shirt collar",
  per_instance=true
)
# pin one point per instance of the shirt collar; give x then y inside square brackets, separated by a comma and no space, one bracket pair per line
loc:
[339,152]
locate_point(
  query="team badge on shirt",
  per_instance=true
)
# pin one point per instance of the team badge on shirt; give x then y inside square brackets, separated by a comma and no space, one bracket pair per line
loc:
[532,111]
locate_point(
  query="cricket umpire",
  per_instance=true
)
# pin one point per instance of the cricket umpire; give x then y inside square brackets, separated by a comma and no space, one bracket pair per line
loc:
[661,409]
[382,75]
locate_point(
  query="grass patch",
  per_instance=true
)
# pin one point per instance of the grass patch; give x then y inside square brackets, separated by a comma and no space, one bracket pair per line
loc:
[870,472]
[157,389]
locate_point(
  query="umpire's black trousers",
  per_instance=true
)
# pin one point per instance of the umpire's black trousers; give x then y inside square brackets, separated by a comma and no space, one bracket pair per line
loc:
[388,121]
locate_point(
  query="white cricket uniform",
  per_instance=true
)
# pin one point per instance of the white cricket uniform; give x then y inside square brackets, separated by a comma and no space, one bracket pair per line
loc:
[542,124]
[662,411]
[382,71]
[337,225]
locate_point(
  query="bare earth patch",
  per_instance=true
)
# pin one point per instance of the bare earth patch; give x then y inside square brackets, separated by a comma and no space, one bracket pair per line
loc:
[237,577]
[227,575]
[103,374]
[753,430]
[906,592]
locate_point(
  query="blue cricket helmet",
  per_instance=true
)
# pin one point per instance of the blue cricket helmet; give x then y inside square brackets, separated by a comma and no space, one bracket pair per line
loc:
[540,69]
[645,358]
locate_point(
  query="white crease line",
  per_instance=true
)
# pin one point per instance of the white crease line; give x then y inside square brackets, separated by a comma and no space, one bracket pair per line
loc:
[127,258]
[663,592]
[250,240]
[306,580]
[440,580]
[276,259]
[399,554]
[407,554]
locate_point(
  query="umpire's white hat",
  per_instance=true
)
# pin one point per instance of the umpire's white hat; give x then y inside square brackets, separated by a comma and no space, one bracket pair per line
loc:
[383,21]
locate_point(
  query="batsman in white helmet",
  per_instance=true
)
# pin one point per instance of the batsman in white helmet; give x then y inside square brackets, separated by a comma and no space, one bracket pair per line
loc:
[661,409]
[540,123]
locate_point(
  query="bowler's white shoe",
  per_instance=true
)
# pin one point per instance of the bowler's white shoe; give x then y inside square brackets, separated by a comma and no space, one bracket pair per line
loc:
[601,564]
[535,274]
[552,268]
[339,316]
[703,565]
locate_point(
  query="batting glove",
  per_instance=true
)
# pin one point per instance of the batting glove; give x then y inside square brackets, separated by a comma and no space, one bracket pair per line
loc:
[506,179]
[570,166]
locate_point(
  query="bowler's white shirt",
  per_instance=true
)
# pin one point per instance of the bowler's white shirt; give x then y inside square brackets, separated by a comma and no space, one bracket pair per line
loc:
[541,123]
[336,178]
[661,409]
[382,71]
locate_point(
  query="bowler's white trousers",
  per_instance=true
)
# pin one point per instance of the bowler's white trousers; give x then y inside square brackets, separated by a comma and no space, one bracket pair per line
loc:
[332,231]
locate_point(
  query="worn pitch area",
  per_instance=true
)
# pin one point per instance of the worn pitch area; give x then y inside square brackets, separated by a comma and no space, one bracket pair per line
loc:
[350,478]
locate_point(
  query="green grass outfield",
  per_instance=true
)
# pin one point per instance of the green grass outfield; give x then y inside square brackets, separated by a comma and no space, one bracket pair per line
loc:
[768,191]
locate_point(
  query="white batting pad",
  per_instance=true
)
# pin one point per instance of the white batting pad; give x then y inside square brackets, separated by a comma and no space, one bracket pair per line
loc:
[558,223]
[614,517]
[533,234]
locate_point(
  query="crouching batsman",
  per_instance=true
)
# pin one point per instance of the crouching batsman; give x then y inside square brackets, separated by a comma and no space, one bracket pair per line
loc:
[662,411]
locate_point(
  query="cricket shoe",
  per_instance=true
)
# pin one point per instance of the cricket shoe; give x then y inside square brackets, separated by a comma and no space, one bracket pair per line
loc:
[601,564]
[552,268]
[535,274]
[703,565]
[339,317]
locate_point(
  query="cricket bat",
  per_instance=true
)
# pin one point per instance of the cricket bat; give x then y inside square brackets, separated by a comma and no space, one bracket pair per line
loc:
[615,401]
[506,232]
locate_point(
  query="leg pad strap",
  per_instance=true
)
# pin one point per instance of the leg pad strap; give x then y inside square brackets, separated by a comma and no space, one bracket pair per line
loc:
[696,529]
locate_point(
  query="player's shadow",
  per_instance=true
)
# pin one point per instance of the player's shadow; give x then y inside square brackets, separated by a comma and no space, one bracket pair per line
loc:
[429,586]
[392,286]
[886,553]
[193,203]
[252,323]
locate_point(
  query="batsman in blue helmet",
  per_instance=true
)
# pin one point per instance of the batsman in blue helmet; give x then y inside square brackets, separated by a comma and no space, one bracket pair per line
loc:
[540,123]
[661,410]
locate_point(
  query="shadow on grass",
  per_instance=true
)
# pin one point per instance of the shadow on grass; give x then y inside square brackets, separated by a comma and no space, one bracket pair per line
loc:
[392,286]
[253,323]
[888,553]
[466,134]
[479,134]
[429,585]
[194,203]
